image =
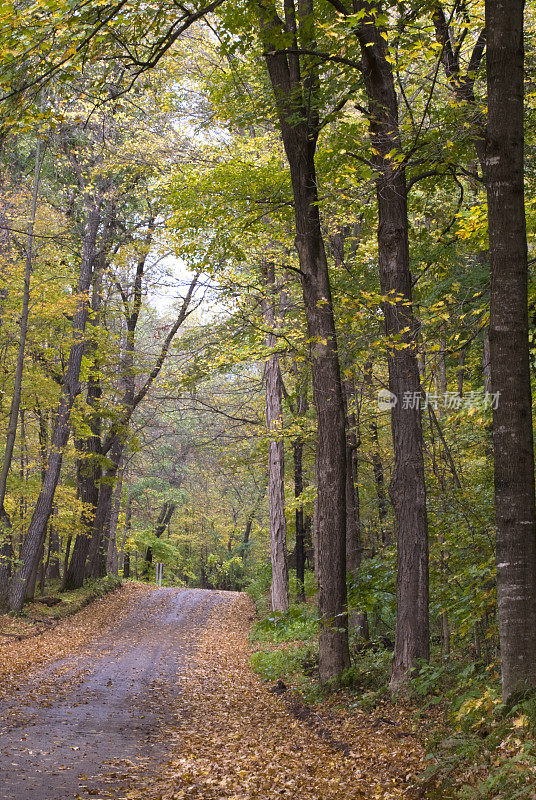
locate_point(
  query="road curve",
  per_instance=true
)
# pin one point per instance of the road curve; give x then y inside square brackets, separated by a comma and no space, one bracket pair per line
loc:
[101,715]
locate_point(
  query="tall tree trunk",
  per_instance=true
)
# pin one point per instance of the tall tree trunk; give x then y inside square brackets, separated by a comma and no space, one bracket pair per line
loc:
[43,568]
[357,620]
[353,531]
[96,564]
[53,571]
[88,485]
[66,559]
[353,523]
[70,389]
[299,128]
[408,490]
[508,339]
[89,470]
[5,523]
[297,446]
[124,555]
[247,535]
[32,582]
[300,526]
[377,463]
[112,556]
[279,591]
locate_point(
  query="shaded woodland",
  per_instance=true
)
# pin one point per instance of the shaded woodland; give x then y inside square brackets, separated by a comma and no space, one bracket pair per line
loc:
[267,317]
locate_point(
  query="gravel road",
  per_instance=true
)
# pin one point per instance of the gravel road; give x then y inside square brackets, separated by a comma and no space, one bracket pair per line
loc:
[81,727]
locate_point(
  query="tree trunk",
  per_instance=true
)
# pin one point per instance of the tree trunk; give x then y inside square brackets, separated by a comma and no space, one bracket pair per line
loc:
[53,571]
[279,591]
[299,128]
[6,548]
[112,558]
[377,463]
[88,477]
[98,554]
[357,620]
[408,490]
[508,339]
[300,526]
[96,564]
[164,518]
[66,559]
[70,389]
[89,469]
[297,447]
[354,550]
[32,582]
[124,554]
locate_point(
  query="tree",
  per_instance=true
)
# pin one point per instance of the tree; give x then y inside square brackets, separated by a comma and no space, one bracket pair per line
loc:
[35,537]
[408,488]
[295,97]
[508,341]
[5,522]
[276,458]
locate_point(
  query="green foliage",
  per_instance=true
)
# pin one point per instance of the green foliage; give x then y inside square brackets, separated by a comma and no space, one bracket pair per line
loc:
[482,749]
[300,622]
[373,589]
[284,664]
[369,674]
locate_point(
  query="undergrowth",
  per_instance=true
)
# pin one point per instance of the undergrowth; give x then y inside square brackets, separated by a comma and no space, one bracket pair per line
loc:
[37,616]
[478,747]
[481,748]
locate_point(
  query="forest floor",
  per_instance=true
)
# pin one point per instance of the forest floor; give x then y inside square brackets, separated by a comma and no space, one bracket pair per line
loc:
[148,694]
[47,610]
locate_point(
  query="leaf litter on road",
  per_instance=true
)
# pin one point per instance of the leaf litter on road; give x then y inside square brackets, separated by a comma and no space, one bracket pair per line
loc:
[236,740]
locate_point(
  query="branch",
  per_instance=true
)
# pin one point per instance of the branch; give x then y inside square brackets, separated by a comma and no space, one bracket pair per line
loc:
[124,419]
[450,459]
[167,343]
[340,7]
[172,34]
[323,56]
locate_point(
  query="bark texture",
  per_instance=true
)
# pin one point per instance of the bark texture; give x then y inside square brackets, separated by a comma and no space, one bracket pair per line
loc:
[508,341]
[279,591]
[407,490]
[298,120]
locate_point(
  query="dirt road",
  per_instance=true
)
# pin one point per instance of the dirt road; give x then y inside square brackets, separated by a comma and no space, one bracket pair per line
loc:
[80,727]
